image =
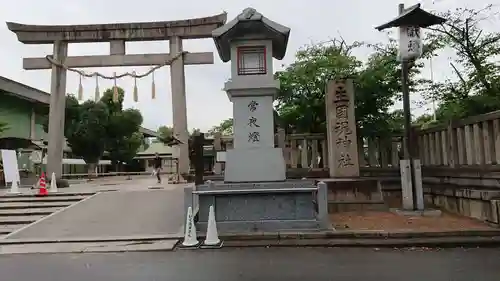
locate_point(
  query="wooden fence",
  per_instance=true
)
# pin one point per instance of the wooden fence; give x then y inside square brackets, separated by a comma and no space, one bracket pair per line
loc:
[311,150]
[468,142]
[373,152]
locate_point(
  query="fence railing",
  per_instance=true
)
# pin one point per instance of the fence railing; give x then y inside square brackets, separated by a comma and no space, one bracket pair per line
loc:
[383,152]
[311,150]
[471,141]
[306,151]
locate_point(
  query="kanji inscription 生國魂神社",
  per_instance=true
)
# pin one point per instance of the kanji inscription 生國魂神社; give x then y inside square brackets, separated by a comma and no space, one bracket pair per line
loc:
[342,139]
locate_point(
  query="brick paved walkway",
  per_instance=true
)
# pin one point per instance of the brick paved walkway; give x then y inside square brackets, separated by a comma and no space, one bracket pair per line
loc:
[388,221]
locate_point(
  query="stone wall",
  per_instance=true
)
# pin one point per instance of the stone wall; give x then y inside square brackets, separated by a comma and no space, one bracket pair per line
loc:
[479,204]
[474,202]
[384,192]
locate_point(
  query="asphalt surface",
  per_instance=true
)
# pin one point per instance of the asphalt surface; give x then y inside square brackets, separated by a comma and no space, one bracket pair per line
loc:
[259,264]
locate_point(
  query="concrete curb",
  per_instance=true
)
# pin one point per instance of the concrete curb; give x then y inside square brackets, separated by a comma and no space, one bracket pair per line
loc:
[272,236]
[366,234]
[385,239]
[434,242]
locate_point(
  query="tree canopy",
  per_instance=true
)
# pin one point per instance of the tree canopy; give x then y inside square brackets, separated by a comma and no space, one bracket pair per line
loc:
[167,133]
[93,128]
[85,130]
[301,100]
[474,90]
[377,78]
[225,127]
[123,138]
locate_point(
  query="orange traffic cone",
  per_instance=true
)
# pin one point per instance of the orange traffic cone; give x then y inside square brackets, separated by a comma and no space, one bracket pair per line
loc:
[42,191]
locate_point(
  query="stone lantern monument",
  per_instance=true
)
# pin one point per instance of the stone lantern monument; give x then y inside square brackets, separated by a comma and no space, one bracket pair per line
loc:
[255,195]
[250,42]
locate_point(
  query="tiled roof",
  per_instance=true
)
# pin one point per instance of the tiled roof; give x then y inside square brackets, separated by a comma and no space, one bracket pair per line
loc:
[160,148]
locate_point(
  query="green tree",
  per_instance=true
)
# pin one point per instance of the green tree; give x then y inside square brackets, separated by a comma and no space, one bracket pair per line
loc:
[123,139]
[165,132]
[71,116]
[424,121]
[85,132]
[475,89]
[301,100]
[166,136]
[195,131]
[125,148]
[91,128]
[225,127]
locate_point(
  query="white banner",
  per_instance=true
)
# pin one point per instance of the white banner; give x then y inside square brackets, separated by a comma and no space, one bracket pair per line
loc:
[410,42]
[10,166]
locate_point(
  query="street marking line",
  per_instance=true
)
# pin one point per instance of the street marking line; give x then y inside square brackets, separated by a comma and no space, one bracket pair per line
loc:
[46,217]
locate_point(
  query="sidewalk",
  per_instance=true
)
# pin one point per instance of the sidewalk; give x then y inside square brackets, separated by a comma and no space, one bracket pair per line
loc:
[89,247]
[118,183]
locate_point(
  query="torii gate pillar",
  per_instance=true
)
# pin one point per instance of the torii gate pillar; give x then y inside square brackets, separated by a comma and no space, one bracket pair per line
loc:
[179,107]
[117,34]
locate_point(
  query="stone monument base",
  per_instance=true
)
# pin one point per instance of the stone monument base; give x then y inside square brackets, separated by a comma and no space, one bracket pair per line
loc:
[256,207]
[354,194]
[264,163]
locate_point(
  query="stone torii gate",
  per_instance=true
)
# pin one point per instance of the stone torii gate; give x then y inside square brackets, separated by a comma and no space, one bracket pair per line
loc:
[116,34]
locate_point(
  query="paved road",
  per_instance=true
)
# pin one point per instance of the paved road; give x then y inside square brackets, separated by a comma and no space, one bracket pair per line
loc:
[259,264]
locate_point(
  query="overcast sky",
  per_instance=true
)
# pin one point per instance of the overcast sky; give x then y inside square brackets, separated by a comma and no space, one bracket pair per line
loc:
[310,21]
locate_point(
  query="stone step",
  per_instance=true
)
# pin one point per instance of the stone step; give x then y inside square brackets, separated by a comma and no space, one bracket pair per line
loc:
[8,228]
[19,219]
[43,199]
[27,205]
[29,212]
[32,194]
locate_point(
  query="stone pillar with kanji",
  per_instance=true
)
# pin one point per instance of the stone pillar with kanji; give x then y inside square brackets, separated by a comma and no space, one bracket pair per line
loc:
[250,42]
[343,160]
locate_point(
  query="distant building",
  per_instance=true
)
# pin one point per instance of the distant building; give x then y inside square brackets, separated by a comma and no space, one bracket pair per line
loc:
[168,154]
